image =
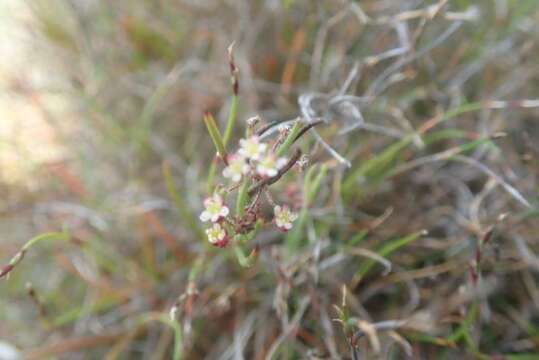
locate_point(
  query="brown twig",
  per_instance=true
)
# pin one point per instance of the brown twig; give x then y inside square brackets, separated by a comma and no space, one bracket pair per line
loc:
[233,70]
[271,180]
[266,127]
[5,270]
[307,128]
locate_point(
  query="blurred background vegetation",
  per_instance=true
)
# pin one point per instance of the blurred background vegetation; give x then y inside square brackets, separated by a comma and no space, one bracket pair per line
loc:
[420,238]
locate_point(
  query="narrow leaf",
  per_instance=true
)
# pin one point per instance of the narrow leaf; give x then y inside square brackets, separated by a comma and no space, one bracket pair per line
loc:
[215,135]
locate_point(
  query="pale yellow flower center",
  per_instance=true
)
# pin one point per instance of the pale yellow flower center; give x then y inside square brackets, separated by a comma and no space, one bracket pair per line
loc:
[236,167]
[214,207]
[214,233]
[252,148]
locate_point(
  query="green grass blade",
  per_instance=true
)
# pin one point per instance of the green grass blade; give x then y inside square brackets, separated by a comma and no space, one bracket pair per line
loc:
[377,165]
[358,238]
[283,148]
[314,187]
[163,318]
[215,134]
[243,197]
[388,249]
[311,186]
[232,116]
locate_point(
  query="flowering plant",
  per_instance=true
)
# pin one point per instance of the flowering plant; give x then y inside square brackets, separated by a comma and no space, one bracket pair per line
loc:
[248,172]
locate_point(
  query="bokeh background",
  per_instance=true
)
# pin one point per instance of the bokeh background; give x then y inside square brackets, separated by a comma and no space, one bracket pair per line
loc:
[420,239]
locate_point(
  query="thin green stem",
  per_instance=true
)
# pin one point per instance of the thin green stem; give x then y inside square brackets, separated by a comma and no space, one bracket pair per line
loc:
[232,116]
[289,139]
[243,197]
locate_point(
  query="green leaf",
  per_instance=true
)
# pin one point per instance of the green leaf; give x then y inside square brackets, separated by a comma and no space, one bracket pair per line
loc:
[387,250]
[283,148]
[243,197]
[358,238]
[377,168]
[312,190]
[311,186]
[463,331]
[245,261]
[215,135]
[378,165]
[232,116]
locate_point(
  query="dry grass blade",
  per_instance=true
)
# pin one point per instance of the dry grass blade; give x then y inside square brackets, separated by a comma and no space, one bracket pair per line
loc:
[291,326]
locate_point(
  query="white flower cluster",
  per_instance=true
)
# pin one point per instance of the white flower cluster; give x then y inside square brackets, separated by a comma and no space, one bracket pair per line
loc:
[216,211]
[253,154]
[254,159]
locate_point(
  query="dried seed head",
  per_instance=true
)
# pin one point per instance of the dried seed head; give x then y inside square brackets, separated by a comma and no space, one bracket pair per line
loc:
[502,217]
[284,129]
[303,162]
[474,275]
[6,270]
[233,70]
[253,121]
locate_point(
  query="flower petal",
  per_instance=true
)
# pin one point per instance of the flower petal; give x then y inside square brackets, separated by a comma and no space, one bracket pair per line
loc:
[205,216]
[224,211]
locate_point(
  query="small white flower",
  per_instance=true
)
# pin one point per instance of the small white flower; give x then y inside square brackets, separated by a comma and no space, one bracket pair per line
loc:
[270,165]
[284,217]
[237,167]
[217,235]
[215,209]
[252,148]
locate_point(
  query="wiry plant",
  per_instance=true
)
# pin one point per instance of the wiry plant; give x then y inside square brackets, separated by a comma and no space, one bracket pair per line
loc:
[250,171]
